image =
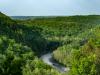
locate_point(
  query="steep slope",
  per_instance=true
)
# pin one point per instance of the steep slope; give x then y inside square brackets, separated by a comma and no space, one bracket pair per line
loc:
[22,34]
[74,41]
[19,47]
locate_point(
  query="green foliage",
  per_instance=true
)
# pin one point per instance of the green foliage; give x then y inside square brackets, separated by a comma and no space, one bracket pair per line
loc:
[83,65]
[13,56]
[37,67]
[25,35]
[74,39]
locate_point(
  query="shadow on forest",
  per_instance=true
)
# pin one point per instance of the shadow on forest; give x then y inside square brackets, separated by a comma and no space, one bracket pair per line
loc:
[25,35]
[51,46]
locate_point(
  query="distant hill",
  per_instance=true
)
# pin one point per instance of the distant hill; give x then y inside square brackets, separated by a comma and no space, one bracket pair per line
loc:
[62,25]
[30,17]
[45,17]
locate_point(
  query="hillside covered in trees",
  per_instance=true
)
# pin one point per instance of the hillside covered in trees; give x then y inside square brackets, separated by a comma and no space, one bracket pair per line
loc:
[73,40]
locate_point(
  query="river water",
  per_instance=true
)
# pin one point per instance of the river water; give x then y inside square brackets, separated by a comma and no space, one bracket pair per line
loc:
[47,58]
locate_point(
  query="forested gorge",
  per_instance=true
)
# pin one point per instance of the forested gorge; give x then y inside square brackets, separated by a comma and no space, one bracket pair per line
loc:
[73,40]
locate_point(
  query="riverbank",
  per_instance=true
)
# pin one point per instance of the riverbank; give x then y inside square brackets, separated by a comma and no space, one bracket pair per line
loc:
[47,58]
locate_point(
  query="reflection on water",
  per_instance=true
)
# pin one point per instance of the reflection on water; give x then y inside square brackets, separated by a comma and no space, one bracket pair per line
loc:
[47,58]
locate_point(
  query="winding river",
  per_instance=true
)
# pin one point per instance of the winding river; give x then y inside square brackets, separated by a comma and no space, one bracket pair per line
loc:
[48,59]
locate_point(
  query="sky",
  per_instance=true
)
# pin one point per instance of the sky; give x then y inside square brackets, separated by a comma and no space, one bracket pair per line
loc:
[50,7]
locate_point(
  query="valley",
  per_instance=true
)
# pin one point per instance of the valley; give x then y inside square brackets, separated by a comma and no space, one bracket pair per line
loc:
[59,45]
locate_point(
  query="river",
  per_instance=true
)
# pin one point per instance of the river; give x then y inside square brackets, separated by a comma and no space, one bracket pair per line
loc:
[47,58]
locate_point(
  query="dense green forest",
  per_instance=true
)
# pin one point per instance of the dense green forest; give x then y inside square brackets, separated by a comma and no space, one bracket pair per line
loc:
[73,40]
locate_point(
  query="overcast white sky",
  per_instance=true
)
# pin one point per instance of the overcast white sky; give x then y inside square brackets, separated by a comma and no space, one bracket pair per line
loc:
[49,7]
